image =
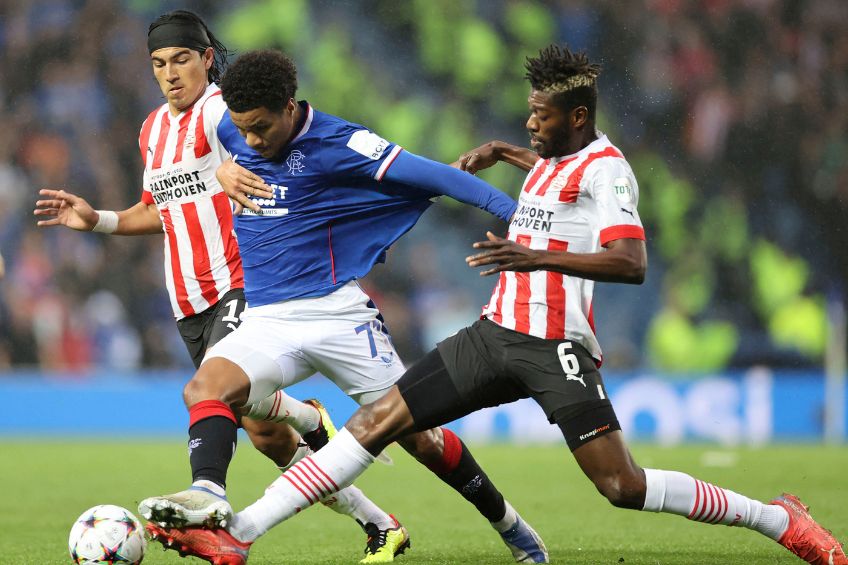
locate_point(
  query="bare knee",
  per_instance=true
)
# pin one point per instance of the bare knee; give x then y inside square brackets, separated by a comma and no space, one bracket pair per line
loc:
[610,466]
[378,424]
[427,446]
[218,379]
[623,489]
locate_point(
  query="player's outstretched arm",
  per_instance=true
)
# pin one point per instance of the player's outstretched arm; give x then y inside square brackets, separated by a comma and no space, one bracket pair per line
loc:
[624,261]
[240,184]
[490,153]
[61,208]
[438,178]
[138,220]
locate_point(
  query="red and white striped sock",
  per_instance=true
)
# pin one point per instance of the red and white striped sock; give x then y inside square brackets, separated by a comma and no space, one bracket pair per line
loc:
[349,501]
[681,494]
[282,408]
[306,482]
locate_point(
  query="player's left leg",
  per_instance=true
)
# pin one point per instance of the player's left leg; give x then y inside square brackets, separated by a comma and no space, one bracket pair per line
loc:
[273,440]
[244,367]
[608,463]
[309,418]
[306,417]
[318,477]
[357,353]
[210,396]
[425,396]
[564,380]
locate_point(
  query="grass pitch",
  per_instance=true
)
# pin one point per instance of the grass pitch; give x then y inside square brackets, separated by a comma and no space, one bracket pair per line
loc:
[47,485]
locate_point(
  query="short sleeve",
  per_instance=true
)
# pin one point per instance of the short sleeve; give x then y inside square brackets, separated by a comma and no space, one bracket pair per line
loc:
[616,194]
[359,153]
[214,109]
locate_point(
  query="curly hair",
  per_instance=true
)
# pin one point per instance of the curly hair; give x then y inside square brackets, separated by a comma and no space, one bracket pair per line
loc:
[264,78]
[569,77]
[220,51]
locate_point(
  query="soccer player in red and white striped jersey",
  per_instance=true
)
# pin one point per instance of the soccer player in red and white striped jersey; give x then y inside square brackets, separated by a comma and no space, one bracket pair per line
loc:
[202,261]
[203,270]
[554,216]
[576,223]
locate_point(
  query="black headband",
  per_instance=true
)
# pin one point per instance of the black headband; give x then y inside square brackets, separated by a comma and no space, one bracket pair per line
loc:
[178,34]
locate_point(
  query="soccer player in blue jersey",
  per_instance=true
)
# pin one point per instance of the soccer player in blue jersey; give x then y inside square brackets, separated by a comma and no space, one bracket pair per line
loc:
[187,60]
[341,195]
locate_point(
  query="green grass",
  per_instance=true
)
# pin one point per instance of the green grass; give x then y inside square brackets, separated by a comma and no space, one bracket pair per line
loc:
[47,485]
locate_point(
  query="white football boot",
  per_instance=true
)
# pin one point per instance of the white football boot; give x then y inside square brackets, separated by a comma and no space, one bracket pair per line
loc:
[196,506]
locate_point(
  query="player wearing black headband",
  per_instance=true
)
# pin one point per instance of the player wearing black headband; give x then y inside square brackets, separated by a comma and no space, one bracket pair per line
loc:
[182,197]
[181,37]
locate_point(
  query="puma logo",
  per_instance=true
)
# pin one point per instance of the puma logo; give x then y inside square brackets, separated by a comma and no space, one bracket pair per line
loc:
[628,212]
[578,378]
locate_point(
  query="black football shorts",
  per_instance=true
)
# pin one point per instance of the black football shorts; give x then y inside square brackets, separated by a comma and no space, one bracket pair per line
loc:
[491,365]
[202,331]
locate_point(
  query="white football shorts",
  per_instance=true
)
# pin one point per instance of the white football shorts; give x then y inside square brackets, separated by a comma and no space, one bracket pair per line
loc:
[341,336]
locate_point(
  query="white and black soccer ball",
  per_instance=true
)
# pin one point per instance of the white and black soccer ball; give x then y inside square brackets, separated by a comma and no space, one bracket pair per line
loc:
[107,535]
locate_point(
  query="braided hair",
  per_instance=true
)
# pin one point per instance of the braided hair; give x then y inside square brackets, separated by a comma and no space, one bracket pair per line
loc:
[569,77]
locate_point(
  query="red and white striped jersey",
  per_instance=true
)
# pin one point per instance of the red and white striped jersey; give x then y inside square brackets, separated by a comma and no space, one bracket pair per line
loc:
[181,154]
[577,203]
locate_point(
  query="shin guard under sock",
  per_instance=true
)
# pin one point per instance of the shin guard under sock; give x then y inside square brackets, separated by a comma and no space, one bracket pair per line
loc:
[212,440]
[461,471]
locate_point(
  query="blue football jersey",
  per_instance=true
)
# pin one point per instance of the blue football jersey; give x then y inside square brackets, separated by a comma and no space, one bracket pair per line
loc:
[333,215]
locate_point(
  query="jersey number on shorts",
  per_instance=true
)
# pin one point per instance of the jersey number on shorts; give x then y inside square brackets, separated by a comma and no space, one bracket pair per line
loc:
[571,366]
[232,318]
[369,328]
[569,363]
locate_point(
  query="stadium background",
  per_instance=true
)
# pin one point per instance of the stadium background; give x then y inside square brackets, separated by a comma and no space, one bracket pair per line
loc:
[733,113]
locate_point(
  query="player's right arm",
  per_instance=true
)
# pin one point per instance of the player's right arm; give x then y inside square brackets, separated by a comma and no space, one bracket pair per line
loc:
[61,208]
[490,153]
[240,184]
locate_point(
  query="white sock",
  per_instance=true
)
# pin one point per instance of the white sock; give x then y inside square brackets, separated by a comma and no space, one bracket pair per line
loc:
[507,521]
[309,480]
[212,487]
[352,502]
[679,493]
[280,407]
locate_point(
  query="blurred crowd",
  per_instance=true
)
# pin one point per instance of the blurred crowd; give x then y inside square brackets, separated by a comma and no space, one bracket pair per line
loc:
[733,113]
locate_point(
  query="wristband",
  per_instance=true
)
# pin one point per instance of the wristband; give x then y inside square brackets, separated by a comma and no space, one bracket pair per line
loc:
[107,221]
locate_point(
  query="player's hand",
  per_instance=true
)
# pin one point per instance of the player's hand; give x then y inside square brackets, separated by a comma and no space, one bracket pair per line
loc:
[60,208]
[240,184]
[478,159]
[505,254]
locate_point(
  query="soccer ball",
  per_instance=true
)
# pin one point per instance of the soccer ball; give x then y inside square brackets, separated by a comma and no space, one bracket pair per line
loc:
[107,535]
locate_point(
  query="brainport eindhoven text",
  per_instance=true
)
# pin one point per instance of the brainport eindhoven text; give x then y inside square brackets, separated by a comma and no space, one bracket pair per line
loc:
[177,186]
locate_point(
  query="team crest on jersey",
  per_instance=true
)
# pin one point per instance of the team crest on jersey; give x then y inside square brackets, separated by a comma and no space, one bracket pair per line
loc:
[623,190]
[295,162]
